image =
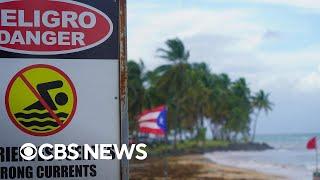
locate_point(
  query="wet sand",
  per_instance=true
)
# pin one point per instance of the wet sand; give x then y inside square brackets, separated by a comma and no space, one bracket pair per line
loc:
[192,167]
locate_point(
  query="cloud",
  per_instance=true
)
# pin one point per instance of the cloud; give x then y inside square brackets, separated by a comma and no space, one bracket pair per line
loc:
[308,4]
[272,34]
[224,53]
[243,41]
[310,82]
[147,32]
[303,59]
[228,39]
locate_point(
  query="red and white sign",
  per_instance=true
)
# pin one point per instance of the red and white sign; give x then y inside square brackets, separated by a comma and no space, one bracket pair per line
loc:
[80,104]
[51,27]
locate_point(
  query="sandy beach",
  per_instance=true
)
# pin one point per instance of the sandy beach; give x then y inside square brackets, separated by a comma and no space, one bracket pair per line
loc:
[192,167]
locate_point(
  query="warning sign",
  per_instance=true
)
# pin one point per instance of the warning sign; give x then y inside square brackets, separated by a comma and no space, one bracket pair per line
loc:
[41,100]
[62,81]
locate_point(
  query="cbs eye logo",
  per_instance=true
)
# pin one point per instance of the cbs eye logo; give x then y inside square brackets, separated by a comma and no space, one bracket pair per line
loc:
[28,151]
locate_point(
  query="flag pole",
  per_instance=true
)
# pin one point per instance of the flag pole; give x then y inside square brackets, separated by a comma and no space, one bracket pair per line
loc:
[317,169]
[165,168]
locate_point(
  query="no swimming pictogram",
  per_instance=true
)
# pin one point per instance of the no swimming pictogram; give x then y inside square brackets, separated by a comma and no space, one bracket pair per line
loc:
[41,100]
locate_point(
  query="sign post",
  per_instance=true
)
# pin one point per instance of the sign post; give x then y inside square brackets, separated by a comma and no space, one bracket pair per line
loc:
[63,80]
[123,85]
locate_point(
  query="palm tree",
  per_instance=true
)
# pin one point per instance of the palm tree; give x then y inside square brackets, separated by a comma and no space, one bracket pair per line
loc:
[175,52]
[219,102]
[195,100]
[136,91]
[239,109]
[260,102]
[170,78]
[192,93]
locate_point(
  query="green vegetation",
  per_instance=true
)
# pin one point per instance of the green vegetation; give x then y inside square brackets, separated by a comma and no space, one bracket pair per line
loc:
[261,102]
[187,147]
[193,93]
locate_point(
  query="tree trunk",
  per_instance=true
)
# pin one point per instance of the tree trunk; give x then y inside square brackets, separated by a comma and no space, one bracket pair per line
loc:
[175,129]
[175,137]
[204,138]
[255,126]
[213,132]
[180,131]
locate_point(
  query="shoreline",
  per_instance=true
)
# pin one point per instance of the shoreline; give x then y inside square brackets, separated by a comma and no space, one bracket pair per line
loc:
[193,166]
[276,162]
[233,172]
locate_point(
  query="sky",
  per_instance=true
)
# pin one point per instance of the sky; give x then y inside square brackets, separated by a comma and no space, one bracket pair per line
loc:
[274,44]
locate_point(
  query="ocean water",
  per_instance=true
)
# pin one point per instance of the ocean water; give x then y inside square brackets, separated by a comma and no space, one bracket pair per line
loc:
[289,159]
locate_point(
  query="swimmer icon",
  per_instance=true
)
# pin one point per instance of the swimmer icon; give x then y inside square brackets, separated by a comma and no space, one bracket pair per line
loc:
[61,98]
[41,100]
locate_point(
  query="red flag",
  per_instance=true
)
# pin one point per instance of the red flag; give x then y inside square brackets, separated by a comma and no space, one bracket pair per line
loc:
[312,143]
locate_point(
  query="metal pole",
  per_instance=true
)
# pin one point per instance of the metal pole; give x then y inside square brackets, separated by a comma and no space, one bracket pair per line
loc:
[317,159]
[123,84]
[165,169]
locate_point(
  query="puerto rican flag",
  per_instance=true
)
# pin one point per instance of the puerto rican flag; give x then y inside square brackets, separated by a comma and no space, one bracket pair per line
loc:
[153,121]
